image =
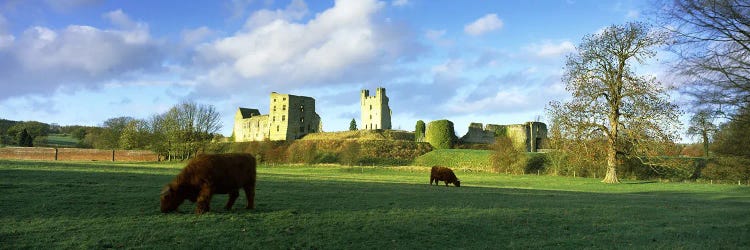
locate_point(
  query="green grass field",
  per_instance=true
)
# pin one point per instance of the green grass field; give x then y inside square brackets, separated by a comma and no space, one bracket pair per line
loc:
[62,140]
[54,205]
[457,158]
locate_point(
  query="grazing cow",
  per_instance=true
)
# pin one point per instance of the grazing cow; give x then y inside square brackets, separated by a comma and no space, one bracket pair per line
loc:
[443,174]
[209,174]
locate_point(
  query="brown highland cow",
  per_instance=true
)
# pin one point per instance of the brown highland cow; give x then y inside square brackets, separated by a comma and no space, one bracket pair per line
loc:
[206,175]
[439,173]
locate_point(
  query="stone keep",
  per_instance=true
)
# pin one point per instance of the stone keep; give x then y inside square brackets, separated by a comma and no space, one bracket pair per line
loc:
[290,117]
[376,114]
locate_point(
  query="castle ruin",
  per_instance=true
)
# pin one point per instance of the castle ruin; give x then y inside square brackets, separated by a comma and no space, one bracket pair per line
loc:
[290,117]
[531,135]
[376,114]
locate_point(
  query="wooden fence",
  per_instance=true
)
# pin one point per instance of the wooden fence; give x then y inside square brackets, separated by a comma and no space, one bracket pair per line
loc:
[75,154]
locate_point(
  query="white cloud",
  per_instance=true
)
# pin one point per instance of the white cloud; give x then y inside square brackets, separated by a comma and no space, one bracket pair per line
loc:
[342,41]
[295,11]
[548,49]
[194,36]
[438,37]
[434,34]
[487,23]
[237,7]
[66,5]
[633,15]
[503,101]
[3,24]
[6,39]
[449,67]
[400,3]
[42,59]
[119,18]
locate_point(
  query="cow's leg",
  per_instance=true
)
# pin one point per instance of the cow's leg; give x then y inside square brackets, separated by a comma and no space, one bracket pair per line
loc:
[232,197]
[431,179]
[204,200]
[250,194]
[446,183]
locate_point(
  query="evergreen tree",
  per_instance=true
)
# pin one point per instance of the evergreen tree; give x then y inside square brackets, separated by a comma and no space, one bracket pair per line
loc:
[353,125]
[419,131]
[24,139]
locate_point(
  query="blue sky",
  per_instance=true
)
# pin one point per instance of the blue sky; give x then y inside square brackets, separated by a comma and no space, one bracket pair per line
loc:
[80,62]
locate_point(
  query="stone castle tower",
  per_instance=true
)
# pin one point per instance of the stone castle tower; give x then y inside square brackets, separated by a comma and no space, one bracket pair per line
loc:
[376,114]
[290,117]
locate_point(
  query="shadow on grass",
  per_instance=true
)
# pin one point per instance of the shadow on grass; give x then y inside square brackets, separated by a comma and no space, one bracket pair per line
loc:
[298,211]
[640,182]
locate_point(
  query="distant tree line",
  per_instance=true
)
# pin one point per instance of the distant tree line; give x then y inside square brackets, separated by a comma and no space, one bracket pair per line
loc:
[181,132]
[26,133]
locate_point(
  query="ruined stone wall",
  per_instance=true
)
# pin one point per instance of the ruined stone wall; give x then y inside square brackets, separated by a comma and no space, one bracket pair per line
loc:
[278,115]
[302,118]
[290,117]
[530,136]
[477,134]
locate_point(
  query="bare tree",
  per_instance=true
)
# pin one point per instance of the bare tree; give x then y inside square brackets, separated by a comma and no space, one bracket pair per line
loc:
[611,101]
[701,124]
[184,129]
[712,42]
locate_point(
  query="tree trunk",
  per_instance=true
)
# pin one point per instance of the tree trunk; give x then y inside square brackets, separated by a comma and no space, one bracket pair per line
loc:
[611,176]
[705,143]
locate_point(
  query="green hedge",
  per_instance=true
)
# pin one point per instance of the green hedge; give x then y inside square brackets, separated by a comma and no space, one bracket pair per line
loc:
[441,134]
[347,152]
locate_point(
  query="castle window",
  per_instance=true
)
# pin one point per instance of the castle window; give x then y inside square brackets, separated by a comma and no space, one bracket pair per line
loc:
[274,99]
[274,118]
[284,99]
[284,107]
[283,118]
[370,107]
[301,119]
[274,108]
[301,108]
[277,128]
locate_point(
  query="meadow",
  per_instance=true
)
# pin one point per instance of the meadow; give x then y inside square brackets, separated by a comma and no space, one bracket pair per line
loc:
[116,205]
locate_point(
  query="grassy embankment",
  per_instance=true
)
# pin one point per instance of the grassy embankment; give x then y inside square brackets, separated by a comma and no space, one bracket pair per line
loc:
[457,158]
[62,140]
[103,205]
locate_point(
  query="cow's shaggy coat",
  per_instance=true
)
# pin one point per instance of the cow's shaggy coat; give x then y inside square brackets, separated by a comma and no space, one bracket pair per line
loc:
[209,174]
[439,173]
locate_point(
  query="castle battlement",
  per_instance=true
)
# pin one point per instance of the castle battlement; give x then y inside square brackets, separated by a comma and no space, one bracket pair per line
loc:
[375,112]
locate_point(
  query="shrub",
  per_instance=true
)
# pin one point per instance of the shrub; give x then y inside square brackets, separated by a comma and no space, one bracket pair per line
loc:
[730,168]
[349,154]
[535,163]
[440,134]
[419,131]
[507,158]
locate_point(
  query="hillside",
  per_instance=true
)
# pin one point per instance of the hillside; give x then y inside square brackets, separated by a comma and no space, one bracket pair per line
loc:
[363,135]
[456,158]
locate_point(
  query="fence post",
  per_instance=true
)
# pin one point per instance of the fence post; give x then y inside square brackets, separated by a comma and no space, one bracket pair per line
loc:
[55,153]
[113,155]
